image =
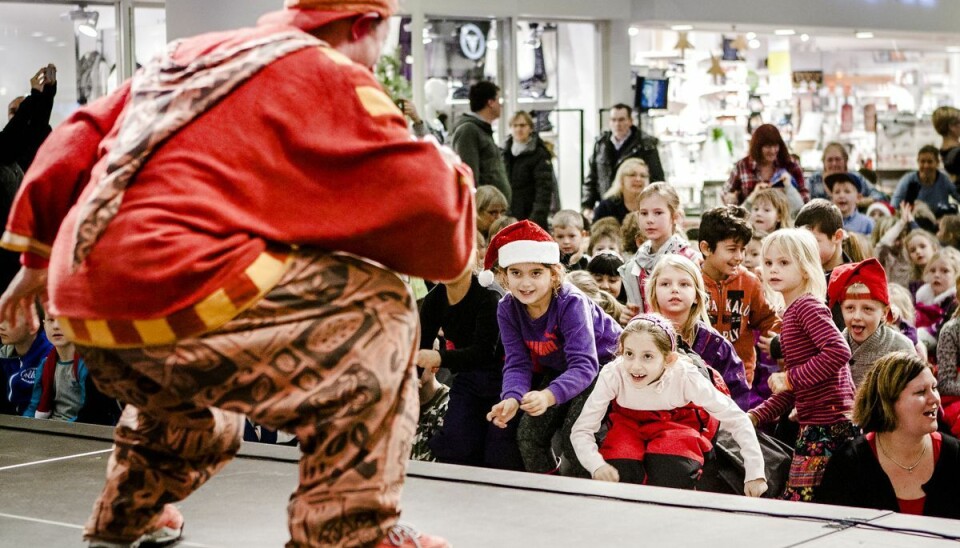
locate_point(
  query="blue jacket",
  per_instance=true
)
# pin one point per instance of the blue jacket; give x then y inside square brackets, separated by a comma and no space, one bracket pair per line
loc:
[38,388]
[18,374]
[95,407]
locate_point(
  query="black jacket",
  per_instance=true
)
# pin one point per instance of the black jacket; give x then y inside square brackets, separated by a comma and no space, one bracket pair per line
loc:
[532,181]
[606,159]
[854,478]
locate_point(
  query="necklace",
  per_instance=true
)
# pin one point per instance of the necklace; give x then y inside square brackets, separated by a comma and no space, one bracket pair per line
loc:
[907,468]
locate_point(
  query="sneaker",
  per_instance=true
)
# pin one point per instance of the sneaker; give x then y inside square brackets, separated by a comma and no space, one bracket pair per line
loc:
[404,536]
[170,531]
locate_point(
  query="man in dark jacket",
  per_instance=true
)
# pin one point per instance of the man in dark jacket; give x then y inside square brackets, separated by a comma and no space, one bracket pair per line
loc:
[472,138]
[623,141]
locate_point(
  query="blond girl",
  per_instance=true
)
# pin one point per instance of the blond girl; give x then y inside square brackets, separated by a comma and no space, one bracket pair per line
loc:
[816,377]
[660,218]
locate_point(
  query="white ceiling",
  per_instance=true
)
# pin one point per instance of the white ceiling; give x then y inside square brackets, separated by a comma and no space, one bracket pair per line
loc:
[19,22]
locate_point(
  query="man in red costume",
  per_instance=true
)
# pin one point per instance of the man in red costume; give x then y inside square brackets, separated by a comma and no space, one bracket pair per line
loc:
[218,237]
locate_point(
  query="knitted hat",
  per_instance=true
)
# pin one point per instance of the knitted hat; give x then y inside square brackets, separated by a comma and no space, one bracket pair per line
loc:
[844,177]
[883,207]
[863,280]
[310,14]
[662,323]
[521,242]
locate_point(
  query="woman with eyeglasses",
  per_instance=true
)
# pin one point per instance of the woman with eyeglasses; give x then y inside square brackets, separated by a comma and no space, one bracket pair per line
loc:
[529,163]
[632,177]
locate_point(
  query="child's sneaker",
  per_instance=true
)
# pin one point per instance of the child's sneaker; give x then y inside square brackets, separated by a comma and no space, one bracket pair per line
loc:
[404,536]
[169,531]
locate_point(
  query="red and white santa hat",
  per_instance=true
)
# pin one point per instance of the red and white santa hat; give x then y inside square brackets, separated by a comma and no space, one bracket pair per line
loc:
[521,242]
[863,280]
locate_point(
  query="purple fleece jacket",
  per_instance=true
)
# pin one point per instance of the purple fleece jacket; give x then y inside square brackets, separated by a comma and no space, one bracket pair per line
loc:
[573,338]
[718,353]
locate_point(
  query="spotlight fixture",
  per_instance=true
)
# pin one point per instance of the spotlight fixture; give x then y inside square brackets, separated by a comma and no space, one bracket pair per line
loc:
[85,21]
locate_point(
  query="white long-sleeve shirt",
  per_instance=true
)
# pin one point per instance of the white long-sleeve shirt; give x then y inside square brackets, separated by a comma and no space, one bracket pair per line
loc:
[681,384]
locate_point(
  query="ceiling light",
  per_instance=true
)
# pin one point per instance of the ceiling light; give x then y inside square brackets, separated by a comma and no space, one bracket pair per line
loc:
[633,31]
[37,34]
[85,21]
[784,32]
[751,35]
[804,37]
[49,39]
[681,27]
[863,34]
[754,44]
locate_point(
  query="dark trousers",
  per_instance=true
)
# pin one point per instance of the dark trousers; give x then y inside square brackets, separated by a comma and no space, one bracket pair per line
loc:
[659,470]
[535,435]
[466,436]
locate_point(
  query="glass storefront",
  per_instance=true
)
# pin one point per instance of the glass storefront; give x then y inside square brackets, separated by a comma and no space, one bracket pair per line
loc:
[82,42]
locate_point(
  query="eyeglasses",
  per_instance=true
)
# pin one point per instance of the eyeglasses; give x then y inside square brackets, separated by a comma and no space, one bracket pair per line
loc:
[520,125]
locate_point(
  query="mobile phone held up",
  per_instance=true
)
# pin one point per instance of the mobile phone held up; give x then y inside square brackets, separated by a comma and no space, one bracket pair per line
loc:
[913,190]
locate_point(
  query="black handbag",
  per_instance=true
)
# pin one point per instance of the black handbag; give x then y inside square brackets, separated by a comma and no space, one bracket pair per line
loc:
[723,473]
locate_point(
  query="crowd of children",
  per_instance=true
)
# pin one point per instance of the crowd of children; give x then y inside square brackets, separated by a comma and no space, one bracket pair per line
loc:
[621,350]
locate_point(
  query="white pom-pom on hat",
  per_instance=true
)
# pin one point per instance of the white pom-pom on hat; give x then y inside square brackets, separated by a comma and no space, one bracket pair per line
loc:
[485,278]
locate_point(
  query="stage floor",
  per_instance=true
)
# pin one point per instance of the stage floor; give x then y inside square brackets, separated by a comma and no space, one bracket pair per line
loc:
[51,472]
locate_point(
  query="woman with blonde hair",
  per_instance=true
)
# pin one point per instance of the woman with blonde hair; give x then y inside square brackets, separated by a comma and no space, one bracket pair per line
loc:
[491,205]
[632,177]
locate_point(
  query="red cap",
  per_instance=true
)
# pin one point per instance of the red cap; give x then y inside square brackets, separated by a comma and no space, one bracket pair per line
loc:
[863,280]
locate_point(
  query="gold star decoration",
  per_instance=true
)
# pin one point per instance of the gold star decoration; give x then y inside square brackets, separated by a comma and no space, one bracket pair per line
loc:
[715,69]
[682,43]
[740,43]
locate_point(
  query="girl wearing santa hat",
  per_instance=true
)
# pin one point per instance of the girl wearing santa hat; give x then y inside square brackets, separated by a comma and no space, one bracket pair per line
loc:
[555,339]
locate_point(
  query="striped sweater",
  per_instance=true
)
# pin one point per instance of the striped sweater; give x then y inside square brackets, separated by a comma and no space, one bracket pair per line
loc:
[816,358]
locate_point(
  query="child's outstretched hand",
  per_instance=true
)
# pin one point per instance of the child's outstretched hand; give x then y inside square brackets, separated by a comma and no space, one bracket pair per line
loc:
[755,488]
[609,473]
[536,402]
[503,412]
[628,313]
[779,383]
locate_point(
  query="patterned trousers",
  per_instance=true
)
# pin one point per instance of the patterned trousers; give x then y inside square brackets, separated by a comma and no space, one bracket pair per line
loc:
[327,354]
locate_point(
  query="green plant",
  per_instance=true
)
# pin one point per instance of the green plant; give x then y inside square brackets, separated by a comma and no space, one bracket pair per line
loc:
[718,134]
[389,72]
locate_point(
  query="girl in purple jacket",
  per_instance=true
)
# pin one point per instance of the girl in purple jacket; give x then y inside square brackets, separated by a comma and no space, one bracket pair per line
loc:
[676,291]
[555,340]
